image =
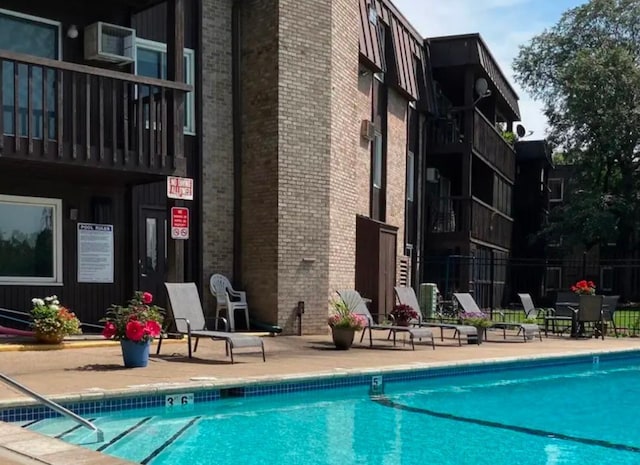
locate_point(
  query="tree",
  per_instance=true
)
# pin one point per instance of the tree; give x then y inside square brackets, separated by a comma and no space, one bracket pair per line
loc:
[586,71]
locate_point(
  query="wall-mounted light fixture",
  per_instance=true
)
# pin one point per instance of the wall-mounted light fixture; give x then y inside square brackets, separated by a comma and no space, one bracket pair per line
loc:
[72,32]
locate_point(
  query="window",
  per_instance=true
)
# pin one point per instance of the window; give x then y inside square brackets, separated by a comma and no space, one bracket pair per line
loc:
[410,176]
[30,240]
[151,61]
[554,278]
[556,190]
[376,169]
[41,38]
[606,278]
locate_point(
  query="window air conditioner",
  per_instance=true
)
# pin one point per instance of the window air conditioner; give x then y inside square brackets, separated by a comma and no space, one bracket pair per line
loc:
[433,175]
[367,130]
[109,42]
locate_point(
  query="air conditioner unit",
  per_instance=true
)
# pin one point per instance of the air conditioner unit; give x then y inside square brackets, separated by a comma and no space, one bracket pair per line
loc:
[433,175]
[367,129]
[109,42]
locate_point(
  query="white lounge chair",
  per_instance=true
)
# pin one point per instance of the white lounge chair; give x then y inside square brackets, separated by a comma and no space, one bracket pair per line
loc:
[228,300]
[357,305]
[189,317]
[469,305]
[407,296]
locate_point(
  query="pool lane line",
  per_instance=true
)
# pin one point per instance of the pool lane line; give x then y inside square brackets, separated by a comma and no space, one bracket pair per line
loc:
[72,429]
[31,423]
[386,402]
[123,434]
[170,441]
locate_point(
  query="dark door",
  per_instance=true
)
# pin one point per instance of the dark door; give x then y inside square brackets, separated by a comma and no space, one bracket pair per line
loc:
[152,252]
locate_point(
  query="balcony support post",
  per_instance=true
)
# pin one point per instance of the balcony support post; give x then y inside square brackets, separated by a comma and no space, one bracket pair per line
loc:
[175,123]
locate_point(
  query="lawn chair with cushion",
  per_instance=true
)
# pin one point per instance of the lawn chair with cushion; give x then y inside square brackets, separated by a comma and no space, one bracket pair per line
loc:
[407,296]
[469,305]
[189,318]
[356,304]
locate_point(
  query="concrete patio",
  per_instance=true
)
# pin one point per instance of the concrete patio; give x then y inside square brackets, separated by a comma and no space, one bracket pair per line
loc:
[93,370]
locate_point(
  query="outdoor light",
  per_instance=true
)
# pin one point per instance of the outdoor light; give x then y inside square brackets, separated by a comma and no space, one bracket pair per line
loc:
[72,32]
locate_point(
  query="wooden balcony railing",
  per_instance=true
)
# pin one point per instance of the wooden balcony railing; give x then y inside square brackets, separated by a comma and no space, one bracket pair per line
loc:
[70,113]
[489,143]
[480,220]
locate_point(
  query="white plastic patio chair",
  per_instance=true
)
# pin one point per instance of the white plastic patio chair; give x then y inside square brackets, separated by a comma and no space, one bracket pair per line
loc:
[228,300]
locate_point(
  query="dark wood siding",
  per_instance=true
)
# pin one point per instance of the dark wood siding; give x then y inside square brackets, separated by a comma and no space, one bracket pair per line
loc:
[370,39]
[89,301]
[151,24]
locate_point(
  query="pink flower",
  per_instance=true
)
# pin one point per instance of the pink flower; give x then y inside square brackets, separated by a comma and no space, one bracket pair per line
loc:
[152,328]
[135,331]
[147,298]
[109,330]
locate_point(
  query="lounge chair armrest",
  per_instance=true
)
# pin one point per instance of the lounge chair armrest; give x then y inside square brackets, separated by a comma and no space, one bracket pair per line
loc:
[186,321]
[550,311]
[501,313]
[574,310]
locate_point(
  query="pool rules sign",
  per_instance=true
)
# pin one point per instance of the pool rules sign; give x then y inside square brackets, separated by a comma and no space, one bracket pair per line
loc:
[179,223]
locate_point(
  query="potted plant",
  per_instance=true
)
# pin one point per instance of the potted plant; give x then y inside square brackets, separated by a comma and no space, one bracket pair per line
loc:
[402,314]
[51,321]
[344,323]
[134,325]
[478,319]
[584,287]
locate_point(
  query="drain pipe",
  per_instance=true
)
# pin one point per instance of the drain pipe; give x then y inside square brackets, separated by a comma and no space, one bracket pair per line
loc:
[236,76]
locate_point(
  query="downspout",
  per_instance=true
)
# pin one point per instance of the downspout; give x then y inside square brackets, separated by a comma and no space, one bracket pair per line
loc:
[236,76]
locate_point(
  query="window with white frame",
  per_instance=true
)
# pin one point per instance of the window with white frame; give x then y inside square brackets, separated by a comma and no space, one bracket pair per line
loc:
[151,61]
[30,240]
[556,190]
[377,160]
[554,278]
[606,278]
[410,176]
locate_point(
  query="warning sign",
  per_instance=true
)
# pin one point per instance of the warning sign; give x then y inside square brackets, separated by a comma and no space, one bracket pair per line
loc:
[179,188]
[179,223]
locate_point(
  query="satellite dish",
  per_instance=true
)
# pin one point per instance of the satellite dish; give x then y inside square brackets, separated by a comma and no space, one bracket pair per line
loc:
[481,87]
[520,130]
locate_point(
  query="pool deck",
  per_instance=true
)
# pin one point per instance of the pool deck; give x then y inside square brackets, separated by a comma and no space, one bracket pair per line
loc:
[91,370]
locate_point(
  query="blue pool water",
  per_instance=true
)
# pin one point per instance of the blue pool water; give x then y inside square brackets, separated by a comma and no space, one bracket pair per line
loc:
[545,415]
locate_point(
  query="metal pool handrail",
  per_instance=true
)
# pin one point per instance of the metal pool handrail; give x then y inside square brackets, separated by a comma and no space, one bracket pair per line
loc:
[53,405]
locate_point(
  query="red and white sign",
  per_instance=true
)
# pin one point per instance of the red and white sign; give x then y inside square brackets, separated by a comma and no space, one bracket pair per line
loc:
[179,188]
[179,223]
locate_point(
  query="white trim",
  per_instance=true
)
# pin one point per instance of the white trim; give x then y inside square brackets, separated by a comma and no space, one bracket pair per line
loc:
[546,272]
[602,270]
[189,78]
[561,180]
[56,204]
[38,19]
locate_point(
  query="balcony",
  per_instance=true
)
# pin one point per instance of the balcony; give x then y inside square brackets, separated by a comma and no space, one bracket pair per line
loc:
[490,145]
[468,218]
[71,114]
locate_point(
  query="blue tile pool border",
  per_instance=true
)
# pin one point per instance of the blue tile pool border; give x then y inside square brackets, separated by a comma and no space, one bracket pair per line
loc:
[256,388]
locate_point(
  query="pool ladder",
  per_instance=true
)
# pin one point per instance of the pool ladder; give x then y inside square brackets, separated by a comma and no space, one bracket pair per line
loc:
[53,406]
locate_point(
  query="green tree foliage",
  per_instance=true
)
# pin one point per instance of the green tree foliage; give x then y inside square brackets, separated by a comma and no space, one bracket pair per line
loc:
[586,71]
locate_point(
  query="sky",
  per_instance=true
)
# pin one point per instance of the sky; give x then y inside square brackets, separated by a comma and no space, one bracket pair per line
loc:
[503,24]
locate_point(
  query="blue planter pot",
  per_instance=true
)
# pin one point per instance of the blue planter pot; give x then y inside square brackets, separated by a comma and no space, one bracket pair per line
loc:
[135,354]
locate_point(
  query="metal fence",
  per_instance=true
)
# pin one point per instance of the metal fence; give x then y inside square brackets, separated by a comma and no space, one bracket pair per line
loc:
[495,282]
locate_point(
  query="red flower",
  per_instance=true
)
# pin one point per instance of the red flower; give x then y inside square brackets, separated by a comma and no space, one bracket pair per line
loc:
[152,328]
[135,331]
[147,298]
[109,330]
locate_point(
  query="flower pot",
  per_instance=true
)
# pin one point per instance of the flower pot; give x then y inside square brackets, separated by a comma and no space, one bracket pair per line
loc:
[406,323]
[49,338]
[135,354]
[342,337]
[481,333]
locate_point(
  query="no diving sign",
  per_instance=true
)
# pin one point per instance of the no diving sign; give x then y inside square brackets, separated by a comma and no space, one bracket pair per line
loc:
[179,223]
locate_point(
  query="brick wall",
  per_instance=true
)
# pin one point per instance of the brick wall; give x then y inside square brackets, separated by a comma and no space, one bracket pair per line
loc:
[345,143]
[259,218]
[217,143]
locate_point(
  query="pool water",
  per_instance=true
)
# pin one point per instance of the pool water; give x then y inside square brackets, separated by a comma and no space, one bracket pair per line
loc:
[550,415]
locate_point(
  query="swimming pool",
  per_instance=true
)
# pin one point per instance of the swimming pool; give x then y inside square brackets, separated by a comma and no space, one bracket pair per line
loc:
[563,411]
